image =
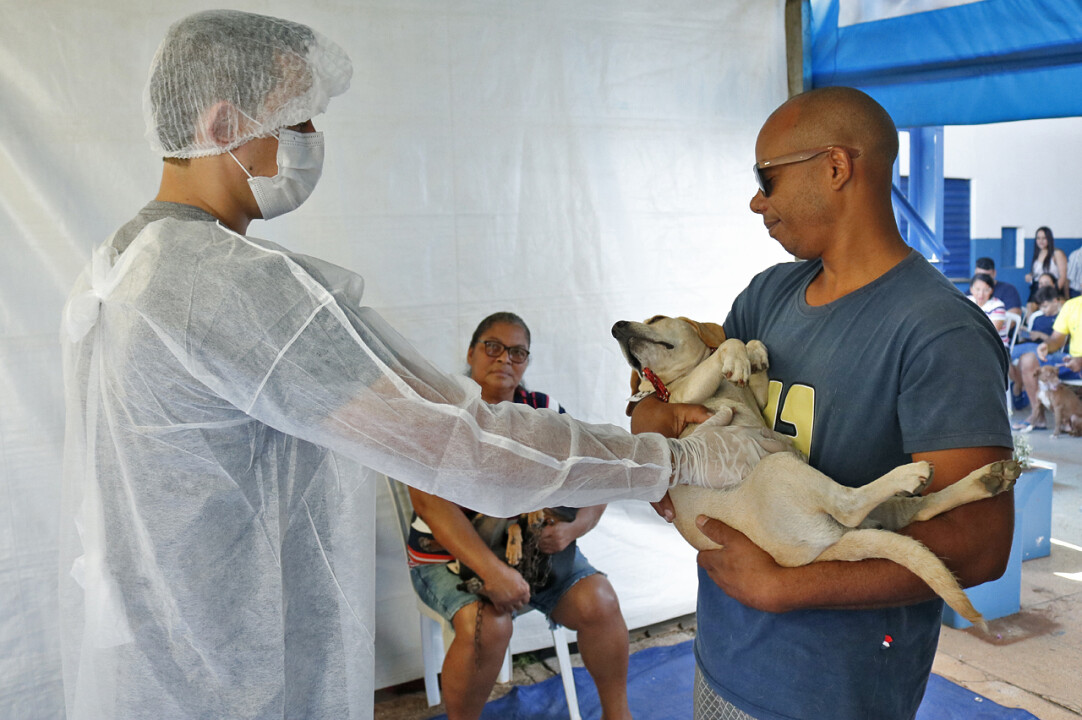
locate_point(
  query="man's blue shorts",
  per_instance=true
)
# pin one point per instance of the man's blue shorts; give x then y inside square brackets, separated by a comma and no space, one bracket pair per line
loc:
[437,587]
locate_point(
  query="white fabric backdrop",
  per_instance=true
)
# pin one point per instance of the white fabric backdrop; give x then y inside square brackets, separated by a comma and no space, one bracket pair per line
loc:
[577,163]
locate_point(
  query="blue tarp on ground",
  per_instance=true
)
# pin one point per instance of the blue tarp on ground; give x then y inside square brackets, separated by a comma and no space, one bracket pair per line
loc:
[979,62]
[660,686]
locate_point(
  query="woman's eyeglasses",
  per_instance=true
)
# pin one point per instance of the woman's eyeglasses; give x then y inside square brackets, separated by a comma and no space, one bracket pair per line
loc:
[495,348]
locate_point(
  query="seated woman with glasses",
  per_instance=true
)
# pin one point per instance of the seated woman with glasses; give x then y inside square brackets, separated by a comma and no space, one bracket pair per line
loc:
[576,595]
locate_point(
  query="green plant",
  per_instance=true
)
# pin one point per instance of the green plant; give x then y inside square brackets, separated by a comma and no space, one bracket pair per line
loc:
[1022,449]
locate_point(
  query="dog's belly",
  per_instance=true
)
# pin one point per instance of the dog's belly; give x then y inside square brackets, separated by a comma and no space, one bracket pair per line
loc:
[777,506]
[742,403]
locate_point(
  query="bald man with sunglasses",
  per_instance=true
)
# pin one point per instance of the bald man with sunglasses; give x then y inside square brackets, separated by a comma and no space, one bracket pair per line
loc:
[876,360]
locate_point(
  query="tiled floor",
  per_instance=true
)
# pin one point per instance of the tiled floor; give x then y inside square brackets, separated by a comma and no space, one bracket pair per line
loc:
[1034,662]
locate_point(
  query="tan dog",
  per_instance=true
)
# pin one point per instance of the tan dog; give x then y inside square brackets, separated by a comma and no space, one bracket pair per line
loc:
[1066,407]
[788,508]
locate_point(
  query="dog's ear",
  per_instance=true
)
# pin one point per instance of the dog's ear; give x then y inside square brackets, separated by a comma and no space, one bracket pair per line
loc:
[710,333]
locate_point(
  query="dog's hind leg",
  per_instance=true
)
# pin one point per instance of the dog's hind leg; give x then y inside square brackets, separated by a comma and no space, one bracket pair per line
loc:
[911,554]
[985,482]
[852,505]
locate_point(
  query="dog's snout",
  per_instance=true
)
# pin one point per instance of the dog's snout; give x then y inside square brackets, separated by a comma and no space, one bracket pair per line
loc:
[618,327]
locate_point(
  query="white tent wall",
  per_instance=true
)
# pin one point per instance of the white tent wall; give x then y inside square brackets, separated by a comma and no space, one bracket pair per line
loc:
[577,163]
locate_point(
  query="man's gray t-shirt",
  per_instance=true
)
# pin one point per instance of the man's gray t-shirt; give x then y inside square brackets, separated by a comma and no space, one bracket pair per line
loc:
[903,365]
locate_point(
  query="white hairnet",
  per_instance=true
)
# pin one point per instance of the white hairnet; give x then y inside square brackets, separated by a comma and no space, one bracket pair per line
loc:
[223,77]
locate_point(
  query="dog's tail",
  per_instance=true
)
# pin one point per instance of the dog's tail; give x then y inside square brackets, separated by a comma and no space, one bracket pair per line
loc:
[911,554]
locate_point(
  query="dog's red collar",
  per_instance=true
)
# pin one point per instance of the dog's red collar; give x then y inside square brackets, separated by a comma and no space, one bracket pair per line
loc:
[660,390]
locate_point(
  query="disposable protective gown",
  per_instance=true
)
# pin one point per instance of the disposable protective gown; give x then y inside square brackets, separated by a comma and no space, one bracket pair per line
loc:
[229,407]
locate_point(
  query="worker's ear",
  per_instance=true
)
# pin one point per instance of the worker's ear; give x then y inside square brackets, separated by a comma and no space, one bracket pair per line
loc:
[219,124]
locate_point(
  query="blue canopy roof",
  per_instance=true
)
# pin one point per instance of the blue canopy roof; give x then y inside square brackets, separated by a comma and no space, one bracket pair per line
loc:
[980,62]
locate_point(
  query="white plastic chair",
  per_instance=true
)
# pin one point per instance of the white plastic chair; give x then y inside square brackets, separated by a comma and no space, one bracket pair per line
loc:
[1014,324]
[437,633]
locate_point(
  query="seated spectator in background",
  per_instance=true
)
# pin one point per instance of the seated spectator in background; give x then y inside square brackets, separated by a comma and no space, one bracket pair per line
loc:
[1055,351]
[1049,302]
[1002,290]
[578,596]
[980,292]
[1047,258]
[1074,272]
[1044,280]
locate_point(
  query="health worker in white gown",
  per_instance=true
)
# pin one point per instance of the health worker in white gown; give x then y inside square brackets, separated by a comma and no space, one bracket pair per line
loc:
[228,403]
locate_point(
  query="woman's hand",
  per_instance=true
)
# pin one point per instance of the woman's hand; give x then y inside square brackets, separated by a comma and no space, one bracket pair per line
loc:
[556,537]
[506,589]
[558,534]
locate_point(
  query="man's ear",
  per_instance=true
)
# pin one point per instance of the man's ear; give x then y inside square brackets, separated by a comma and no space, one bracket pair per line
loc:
[841,167]
[219,124]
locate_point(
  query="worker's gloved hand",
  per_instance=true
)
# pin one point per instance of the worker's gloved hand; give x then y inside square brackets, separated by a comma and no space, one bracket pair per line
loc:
[718,455]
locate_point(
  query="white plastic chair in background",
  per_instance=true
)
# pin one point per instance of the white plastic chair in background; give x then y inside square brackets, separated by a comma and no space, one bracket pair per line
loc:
[1014,324]
[437,633]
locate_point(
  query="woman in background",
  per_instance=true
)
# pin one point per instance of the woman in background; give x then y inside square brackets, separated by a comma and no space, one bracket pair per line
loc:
[577,597]
[980,292]
[1047,259]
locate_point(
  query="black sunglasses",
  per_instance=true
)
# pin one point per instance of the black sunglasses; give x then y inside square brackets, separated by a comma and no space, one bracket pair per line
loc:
[797,157]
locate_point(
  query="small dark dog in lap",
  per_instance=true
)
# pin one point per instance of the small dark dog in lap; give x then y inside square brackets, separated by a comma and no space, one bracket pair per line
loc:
[516,541]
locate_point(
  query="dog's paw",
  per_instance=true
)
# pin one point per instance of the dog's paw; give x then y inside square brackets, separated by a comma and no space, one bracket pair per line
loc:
[513,552]
[757,356]
[914,478]
[735,365]
[1000,476]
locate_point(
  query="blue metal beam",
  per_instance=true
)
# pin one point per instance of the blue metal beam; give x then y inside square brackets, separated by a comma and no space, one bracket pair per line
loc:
[923,210]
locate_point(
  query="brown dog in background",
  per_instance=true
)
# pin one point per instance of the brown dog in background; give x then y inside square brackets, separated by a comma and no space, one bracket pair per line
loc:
[1058,397]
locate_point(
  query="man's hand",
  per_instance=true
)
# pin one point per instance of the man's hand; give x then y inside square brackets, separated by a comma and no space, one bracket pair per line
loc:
[664,508]
[668,419]
[1074,363]
[506,589]
[746,572]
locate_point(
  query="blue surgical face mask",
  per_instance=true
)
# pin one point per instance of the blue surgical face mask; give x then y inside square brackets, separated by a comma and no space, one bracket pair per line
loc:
[300,164]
